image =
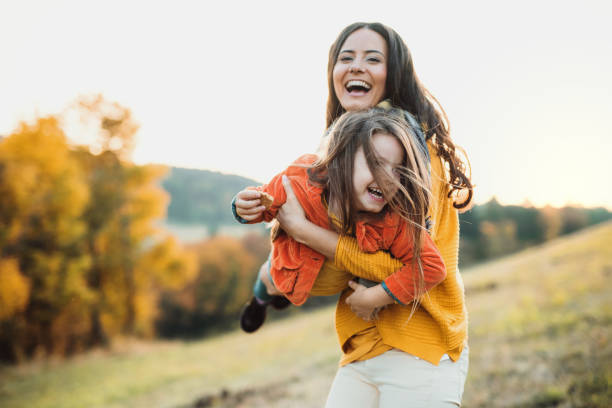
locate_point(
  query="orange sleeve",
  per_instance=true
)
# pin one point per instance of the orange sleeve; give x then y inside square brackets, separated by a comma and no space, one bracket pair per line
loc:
[401,284]
[275,189]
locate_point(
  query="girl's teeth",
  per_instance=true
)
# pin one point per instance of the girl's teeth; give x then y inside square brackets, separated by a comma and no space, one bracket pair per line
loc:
[375,191]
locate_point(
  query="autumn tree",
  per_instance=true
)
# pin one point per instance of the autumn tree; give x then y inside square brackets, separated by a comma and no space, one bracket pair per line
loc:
[226,270]
[43,266]
[130,260]
[81,260]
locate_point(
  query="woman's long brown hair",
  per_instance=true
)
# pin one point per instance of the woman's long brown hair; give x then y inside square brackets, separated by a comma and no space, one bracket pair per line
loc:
[407,194]
[405,91]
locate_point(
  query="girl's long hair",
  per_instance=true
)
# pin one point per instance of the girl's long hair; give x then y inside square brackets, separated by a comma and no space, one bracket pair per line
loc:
[407,191]
[405,91]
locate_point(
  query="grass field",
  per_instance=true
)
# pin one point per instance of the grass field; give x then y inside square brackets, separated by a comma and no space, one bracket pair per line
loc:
[540,336]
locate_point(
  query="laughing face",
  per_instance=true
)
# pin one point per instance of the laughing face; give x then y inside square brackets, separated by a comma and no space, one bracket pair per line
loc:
[360,71]
[368,194]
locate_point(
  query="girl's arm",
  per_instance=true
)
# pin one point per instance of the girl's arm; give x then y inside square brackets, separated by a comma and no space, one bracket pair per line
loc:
[400,285]
[246,205]
[293,220]
[333,278]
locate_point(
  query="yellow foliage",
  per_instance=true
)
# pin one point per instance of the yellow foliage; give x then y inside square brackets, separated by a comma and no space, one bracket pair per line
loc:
[70,328]
[146,311]
[81,227]
[116,126]
[168,265]
[14,289]
[42,189]
[226,273]
[36,161]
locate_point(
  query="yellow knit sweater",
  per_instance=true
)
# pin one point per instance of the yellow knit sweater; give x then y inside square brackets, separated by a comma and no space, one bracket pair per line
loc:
[439,324]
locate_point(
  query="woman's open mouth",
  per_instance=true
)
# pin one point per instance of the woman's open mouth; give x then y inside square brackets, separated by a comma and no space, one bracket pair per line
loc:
[357,87]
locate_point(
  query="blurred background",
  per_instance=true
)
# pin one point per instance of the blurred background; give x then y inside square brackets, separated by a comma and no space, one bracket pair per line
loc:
[127,127]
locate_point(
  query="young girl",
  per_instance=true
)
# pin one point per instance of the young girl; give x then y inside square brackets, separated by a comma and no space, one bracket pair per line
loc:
[371,182]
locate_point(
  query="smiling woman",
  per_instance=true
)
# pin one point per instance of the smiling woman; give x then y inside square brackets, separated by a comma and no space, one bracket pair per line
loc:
[360,74]
[416,354]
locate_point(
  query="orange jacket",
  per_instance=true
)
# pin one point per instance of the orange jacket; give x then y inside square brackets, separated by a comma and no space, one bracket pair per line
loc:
[295,266]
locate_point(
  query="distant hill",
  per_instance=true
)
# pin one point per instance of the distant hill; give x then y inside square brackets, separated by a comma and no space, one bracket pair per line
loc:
[200,207]
[202,197]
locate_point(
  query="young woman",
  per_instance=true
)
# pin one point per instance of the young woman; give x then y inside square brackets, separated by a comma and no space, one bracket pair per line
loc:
[400,358]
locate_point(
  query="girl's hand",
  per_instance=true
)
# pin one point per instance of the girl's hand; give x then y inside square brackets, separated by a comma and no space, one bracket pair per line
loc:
[366,302]
[291,214]
[248,205]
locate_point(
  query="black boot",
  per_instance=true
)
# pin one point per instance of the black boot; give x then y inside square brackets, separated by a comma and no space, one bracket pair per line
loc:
[253,315]
[279,302]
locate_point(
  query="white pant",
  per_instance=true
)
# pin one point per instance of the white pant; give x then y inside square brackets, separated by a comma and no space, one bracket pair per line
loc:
[397,379]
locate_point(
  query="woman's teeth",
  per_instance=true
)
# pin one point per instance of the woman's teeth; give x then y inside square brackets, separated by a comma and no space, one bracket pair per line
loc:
[355,85]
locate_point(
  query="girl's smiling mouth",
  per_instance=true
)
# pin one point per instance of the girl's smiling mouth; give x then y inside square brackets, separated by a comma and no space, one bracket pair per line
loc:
[376,193]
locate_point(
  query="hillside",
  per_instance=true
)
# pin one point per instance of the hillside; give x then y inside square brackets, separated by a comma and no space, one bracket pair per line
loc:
[540,331]
[202,197]
[199,207]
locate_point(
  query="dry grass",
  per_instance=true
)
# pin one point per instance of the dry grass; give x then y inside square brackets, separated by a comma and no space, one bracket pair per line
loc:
[540,325]
[540,331]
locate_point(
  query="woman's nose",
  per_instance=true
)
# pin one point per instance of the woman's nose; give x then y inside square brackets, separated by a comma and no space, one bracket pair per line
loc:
[355,66]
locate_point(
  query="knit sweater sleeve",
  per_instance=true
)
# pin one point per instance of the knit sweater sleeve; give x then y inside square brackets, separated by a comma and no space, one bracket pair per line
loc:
[372,266]
[330,280]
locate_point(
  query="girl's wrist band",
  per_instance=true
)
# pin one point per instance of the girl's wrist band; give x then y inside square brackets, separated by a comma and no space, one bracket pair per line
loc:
[391,295]
[236,216]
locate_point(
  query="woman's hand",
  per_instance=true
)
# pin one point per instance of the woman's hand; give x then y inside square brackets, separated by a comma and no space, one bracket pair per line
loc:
[248,205]
[291,214]
[366,302]
[293,221]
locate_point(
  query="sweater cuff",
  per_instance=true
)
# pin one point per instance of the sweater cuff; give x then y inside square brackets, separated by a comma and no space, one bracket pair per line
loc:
[391,295]
[236,216]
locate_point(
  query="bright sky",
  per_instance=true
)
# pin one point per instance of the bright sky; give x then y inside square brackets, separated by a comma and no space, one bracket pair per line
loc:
[240,86]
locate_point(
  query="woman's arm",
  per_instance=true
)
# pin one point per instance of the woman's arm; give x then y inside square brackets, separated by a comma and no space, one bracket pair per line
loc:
[293,221]
[370,266]
[344,251]
[397,276]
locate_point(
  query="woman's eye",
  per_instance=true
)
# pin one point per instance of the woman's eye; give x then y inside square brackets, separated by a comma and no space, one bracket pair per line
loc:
[373,59]
[346,59]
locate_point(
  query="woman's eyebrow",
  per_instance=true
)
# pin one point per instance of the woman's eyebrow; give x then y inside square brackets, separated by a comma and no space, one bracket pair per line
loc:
[366,51]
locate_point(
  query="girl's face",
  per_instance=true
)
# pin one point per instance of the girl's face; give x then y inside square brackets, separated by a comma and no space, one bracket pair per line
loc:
[360,72]
[368,194]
